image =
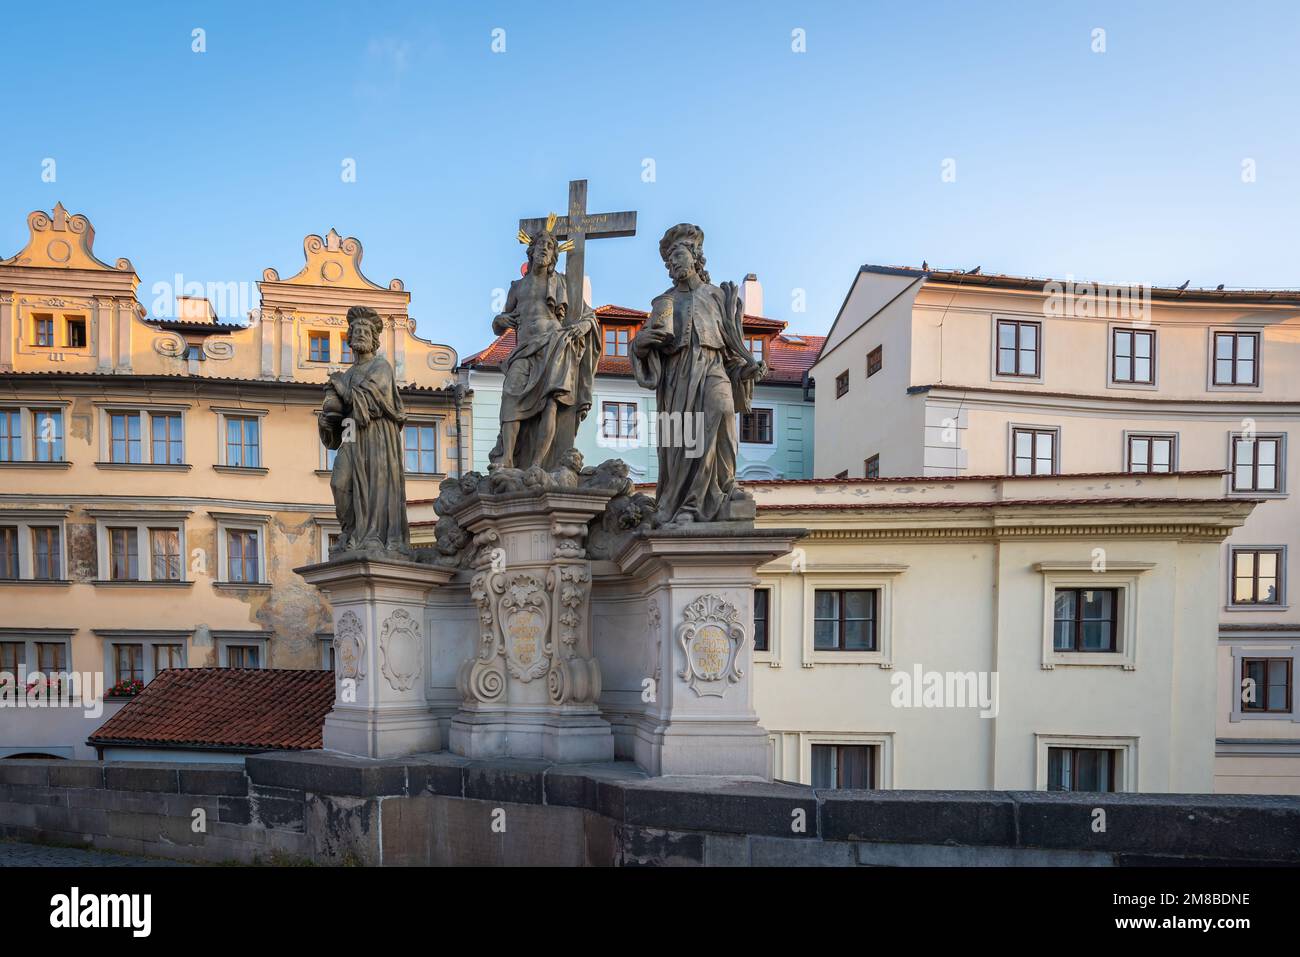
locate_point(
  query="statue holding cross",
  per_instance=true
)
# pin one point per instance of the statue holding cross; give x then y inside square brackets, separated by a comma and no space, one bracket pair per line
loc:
[549,373]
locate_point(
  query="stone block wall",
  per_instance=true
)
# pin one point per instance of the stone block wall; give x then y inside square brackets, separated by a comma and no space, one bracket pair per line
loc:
[444,810]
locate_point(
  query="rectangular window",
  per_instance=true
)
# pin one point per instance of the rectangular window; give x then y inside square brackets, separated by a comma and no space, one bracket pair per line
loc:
[51,656]
[243,441]
[165,551]
[11,435]
[128,663]
[43,330]
[13,655]
[875,360]
[1033,452]
[1266,685]
[1081,769]
[844,766]
[871,468]
[1086,619]
[842,383]
[618,420]
[76,333]
[9,552]
[1236,358]
[1133,356]
[242,656]
[345,350]
[47,434]
[762,604]
[168,656]
[124,436]
[757,346]
[1150,453]
[318,345]
[1257,464]
[756,426]
[844,620]
[45,553]
[166,439]
[616,340]
[124,555]
[1018,347]
[1256,576]
[241,555]
[421,449]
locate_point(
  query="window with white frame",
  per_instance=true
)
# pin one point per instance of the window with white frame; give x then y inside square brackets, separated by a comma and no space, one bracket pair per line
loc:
[137,656]
[846,618]
[1133,356]
[24,652]
[31,545]
[1264,668]
[241,549]
[844,766]
[1090,617]
[1257,463]
[1018,348]
[1258,575]
[32,433]
[242,649]
[140,546]
[618,420]
[241,441]
[420,440]
[1086,763]
[1150,453]
[1034,451]
[1235,359]
[144,437]
[1082,769]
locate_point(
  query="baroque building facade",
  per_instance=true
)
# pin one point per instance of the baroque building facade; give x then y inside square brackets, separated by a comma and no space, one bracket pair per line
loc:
[162,475]
[1004,375]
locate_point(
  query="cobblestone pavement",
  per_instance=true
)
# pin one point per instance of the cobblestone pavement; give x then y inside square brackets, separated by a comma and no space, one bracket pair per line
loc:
[13,854]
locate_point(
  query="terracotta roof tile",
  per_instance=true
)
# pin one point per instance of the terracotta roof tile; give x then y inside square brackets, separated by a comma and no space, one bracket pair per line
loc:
[271,709]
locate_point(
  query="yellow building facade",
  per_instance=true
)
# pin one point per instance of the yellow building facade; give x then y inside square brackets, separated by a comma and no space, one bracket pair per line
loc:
[161,476]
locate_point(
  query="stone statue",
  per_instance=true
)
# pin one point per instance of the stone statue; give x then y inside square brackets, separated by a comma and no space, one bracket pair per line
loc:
[692,353]
[548,376]
[362,418]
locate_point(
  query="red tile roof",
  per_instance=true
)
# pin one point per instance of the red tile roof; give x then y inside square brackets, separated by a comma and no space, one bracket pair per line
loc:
[788,356]
[230,708]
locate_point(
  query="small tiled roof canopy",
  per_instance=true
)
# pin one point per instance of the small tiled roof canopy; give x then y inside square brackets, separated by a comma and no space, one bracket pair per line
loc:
[788,356]
[234,709]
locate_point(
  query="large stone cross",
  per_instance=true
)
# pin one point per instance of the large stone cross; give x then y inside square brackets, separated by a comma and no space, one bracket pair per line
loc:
[579,226]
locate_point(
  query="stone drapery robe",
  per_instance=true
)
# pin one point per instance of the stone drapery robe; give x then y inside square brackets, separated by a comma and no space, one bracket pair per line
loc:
[548,366]
[698,374]
[368,480]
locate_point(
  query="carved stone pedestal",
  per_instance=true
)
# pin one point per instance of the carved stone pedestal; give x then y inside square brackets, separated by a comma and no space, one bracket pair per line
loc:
[380,709]
[697,583]
[531,688]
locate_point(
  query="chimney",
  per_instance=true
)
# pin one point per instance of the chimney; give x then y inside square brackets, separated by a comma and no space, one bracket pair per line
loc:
[751,293]
[194,309]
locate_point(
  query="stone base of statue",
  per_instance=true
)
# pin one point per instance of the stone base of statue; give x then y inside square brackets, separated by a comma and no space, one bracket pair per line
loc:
[675,632]
[379,709]
[530,688]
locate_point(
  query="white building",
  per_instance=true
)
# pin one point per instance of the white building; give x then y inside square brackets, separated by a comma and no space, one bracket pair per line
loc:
[947,374]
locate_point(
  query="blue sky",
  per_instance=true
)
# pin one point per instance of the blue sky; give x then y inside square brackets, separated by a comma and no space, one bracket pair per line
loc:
[1117,166]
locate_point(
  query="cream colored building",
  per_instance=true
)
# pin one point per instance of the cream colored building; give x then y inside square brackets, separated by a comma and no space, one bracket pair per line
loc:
[947,374]
[909,641]
[160,477]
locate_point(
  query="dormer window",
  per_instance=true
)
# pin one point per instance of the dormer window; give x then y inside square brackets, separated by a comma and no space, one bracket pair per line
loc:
[617,339]
[757,346]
